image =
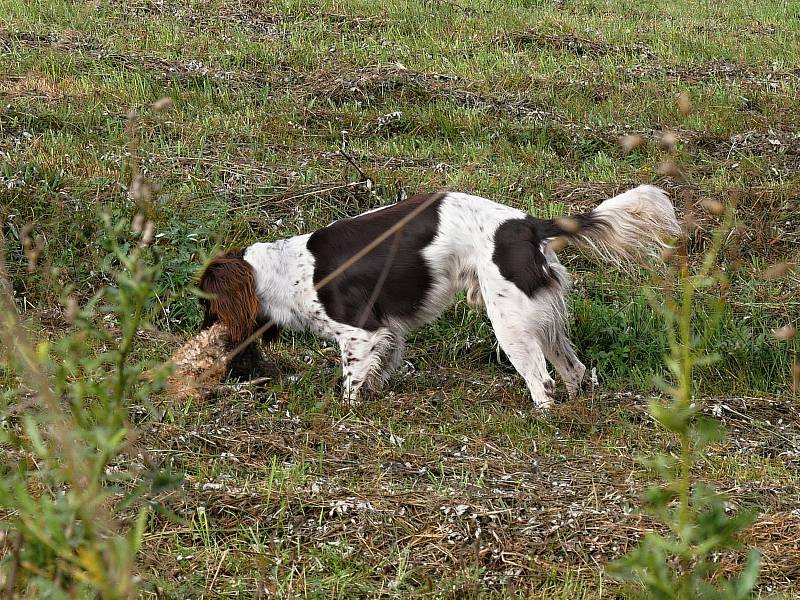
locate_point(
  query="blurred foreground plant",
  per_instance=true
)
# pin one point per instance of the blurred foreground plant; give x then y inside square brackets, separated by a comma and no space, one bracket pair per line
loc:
[71,481]
[680,564]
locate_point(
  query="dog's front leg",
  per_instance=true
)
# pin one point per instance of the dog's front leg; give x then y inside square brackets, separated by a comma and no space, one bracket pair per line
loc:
[363,356]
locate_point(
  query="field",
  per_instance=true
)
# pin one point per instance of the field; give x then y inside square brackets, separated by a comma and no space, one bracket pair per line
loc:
[448,484]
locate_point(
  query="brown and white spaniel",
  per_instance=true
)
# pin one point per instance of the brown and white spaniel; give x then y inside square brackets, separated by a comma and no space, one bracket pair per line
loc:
[367,281]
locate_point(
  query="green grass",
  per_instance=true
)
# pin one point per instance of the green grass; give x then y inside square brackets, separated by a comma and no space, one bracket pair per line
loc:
[495,100]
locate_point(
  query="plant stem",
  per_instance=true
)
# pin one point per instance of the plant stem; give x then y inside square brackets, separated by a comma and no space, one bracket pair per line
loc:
[684,397]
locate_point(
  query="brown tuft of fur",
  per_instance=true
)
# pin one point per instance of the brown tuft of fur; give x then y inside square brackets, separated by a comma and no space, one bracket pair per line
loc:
[230,283]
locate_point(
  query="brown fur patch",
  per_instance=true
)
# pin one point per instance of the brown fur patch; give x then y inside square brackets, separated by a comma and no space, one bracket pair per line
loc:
[230,284]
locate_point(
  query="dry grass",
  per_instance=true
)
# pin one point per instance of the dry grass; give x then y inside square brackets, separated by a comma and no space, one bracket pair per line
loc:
[386,479]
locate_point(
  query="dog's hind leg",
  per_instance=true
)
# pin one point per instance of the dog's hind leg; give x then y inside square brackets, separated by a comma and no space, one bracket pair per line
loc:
[527,355]
[551,316]
[511,313]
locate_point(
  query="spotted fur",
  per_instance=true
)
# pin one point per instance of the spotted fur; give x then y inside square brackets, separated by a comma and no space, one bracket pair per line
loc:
[455,242]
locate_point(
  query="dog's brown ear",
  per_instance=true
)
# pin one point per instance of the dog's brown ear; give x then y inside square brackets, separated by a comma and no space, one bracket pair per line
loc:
[230,283]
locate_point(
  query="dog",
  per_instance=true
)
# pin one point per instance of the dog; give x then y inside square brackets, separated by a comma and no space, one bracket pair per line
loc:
[366,281]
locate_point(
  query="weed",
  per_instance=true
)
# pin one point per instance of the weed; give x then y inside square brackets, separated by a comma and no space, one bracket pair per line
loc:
[68,487]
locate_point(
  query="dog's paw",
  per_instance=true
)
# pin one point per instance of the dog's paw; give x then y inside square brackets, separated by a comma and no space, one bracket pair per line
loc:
[352,397]
[546,396]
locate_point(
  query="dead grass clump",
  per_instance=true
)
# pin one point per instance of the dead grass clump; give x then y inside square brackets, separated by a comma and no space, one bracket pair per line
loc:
[576,45]
[718,70]
[775,536]
[370,84]
[249,16]
[281,206]
[9,38]
[773,229]
[36,87]
[180,70]
[397,83]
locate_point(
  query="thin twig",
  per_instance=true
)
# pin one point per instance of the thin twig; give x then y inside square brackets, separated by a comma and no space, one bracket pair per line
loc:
[210,587]
[381,280]
[364,177]
[249,383]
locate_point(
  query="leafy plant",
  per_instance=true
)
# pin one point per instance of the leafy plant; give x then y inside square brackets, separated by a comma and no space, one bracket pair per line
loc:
[679,564]
[71,491]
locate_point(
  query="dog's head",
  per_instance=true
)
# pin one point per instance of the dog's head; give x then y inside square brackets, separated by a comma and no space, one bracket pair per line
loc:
[229,285]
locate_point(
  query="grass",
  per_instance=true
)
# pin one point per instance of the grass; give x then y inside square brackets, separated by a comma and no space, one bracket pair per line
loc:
[288,490]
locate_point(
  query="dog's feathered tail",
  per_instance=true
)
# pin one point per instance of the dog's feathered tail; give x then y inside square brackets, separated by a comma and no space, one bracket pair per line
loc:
[622,230]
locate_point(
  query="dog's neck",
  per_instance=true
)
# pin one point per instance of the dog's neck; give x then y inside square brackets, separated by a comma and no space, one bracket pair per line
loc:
[283,271]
